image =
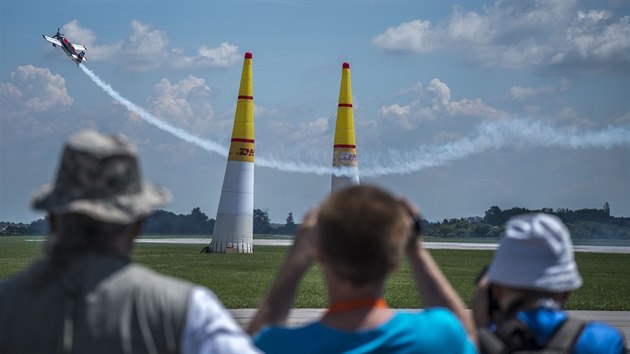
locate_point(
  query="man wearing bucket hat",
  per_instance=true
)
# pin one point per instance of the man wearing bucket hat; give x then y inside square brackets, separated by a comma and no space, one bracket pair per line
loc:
[519,301]
[86,296]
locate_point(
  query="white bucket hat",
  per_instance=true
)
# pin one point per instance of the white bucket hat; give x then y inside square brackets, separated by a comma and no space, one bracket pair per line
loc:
[535,252]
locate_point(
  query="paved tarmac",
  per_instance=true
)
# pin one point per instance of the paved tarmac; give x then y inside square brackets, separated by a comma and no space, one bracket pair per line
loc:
[429,244]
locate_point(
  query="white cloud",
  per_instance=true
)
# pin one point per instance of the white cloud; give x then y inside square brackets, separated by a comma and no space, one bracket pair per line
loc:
[441,102]
[521,34]
[442,93]
[34,89]
[474,108]
[433,102]
[150,49]
[523,92]
[303,132]
[223,56]
[520,93]
[34,105]
[595,39]
[186,103]
[623,118]
[468,27]
[395,110]
[309,140]
[400,115]
[415,36]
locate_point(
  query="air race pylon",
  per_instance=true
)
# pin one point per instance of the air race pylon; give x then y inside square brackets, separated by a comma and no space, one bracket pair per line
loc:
[345,164]
[233,229]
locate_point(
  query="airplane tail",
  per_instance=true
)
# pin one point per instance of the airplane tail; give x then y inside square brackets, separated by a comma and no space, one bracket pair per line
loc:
[81,59]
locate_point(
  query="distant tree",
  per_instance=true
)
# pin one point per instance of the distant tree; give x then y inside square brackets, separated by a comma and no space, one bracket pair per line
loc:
[196,222]
[583,223]
[161,222]
[38,227]
[262,224]
[166,222]
[570,216]
[482,230]
[606,209]
[290,221]
[290,226]
[14,230]
[493,216]
[507,214]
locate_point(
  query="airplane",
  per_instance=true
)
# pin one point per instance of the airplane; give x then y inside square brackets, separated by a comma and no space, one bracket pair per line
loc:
[71,49]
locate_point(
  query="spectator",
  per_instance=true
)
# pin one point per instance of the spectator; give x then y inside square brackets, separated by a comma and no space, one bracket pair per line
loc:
[358,236]
[86,296]
[519,303]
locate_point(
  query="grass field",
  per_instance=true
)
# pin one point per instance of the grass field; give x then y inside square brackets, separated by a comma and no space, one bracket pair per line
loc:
[241,280]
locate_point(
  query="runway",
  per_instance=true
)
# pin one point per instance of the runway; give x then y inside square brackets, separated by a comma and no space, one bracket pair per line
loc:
[428,244]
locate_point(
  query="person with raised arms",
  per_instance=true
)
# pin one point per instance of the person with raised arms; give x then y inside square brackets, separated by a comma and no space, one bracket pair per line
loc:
[358,236]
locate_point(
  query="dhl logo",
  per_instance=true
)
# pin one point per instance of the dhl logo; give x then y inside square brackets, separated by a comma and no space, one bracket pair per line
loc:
[241,151]
[345,157]
[245,152]
[348,157]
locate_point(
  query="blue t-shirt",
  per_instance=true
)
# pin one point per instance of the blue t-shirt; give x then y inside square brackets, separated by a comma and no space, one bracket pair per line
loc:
[432,331]
[596,337]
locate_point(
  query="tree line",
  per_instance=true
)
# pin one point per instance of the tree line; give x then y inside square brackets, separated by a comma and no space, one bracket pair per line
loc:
[167,223]
[582,223]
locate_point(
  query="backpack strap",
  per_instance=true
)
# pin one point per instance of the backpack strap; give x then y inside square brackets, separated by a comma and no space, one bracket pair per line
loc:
[566,335]
[514,336]
[509,336]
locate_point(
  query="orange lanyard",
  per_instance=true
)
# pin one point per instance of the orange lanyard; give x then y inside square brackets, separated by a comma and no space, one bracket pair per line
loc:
[357,304]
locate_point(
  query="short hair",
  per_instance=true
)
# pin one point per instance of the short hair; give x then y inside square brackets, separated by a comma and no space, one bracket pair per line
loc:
[362,230]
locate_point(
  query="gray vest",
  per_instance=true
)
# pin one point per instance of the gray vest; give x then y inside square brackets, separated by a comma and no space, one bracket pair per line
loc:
[96,304]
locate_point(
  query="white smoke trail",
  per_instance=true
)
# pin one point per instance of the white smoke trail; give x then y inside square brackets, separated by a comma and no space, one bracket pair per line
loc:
[489,135]
[493,135]
[150,118]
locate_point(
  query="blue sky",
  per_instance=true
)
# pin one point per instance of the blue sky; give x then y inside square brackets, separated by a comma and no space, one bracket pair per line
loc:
[458,105]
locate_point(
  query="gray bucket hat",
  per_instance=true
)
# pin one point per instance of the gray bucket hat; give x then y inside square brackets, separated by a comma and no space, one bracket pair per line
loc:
[99,176]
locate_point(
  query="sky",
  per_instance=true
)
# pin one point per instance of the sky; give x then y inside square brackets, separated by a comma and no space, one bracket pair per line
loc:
[458,105]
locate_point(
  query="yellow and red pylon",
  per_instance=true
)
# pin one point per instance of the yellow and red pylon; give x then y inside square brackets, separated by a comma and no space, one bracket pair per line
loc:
[345,163]
[233,229]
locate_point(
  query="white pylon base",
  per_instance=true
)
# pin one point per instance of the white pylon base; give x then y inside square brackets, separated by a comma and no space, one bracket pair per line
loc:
[230,247]
[232,234]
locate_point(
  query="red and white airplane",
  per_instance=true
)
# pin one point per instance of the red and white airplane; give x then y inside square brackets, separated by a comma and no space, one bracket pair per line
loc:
[75,51]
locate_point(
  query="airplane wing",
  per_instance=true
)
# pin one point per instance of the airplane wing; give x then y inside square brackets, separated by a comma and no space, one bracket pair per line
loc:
[52,40]
[78,47]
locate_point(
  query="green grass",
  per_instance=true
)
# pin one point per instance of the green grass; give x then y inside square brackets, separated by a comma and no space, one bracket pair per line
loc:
[241,280]
[16,253]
